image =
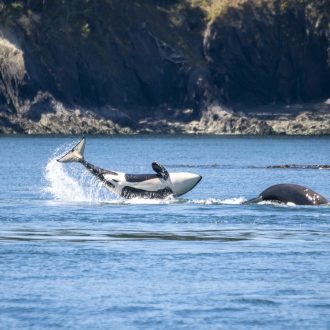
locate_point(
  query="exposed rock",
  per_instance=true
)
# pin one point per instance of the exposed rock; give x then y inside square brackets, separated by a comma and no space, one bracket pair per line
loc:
[42,104]
[306,123]
[156,66]
[72,122]
[12,75]
[60,121]
[217,120]
[133,56]
[8,127]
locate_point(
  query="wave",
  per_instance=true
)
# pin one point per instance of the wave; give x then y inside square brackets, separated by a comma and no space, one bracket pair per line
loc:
[174,200]
[215,201]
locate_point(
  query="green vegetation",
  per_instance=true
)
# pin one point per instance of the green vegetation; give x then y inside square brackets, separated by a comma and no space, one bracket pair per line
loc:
[15,6]
[215,8]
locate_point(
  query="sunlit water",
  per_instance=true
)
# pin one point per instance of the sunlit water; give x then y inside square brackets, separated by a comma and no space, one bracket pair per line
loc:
[75,256]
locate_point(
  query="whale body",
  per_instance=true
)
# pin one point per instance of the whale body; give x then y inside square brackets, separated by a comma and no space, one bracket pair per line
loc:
[290,193]
[160,184]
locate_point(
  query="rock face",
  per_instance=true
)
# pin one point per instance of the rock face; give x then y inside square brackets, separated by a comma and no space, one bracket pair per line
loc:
[13,76]
[271,51]
[127,66]
[217,120]
[132,55]
[306,123]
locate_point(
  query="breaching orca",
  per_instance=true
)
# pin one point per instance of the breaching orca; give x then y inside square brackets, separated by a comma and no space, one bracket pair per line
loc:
[159,185]
[290,193]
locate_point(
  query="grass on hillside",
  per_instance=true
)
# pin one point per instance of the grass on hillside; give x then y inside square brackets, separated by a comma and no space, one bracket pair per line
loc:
[215,8]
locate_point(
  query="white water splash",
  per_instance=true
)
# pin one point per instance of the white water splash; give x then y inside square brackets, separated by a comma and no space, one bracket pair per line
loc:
[214,201]
[167,200]
[74,186]
[277,204]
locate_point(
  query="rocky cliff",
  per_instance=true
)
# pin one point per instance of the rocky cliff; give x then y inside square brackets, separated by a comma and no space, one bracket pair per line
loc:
[107,66]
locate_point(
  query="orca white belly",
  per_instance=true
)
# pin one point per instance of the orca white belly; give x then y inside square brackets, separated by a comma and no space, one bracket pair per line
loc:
[177,184]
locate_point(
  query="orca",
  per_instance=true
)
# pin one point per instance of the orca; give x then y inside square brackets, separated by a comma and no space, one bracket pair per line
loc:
[158,185]
[290,193]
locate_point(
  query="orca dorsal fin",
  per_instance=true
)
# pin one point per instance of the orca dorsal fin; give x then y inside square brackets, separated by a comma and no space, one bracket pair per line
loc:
[160,170]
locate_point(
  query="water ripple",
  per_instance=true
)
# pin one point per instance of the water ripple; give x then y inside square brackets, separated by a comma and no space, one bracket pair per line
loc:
[226,235]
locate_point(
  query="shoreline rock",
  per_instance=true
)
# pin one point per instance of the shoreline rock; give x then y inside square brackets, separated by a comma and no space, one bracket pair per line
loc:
[215,120]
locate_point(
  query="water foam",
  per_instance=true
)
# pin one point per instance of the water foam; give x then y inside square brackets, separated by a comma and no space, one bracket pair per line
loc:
[277,204]
[167,200]
[215,201]
[71,183]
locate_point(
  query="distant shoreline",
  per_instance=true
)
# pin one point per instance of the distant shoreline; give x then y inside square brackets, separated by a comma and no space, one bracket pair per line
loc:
[245,67]
[306,119]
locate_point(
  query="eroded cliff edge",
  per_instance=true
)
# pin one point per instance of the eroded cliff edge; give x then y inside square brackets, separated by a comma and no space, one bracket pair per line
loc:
[165,66]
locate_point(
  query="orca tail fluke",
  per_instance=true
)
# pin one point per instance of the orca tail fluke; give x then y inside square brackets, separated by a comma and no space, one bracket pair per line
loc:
[76,154]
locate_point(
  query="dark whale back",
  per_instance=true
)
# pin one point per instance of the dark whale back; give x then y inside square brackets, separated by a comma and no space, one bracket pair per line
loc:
[292,193]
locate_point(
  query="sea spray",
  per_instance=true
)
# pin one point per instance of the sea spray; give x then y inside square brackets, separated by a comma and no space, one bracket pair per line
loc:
[216,201]
[73,184]
[61,185]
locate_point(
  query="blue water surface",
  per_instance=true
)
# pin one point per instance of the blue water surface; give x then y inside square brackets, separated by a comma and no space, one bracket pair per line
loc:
[74,256]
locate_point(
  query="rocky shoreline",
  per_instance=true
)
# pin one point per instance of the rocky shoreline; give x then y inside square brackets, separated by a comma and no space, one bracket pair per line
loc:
[215,120]
[244,67]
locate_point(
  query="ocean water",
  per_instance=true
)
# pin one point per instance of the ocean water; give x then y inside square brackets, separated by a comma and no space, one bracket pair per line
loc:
[74,256]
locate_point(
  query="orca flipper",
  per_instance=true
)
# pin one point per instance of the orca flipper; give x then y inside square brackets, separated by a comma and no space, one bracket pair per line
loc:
[160,170]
